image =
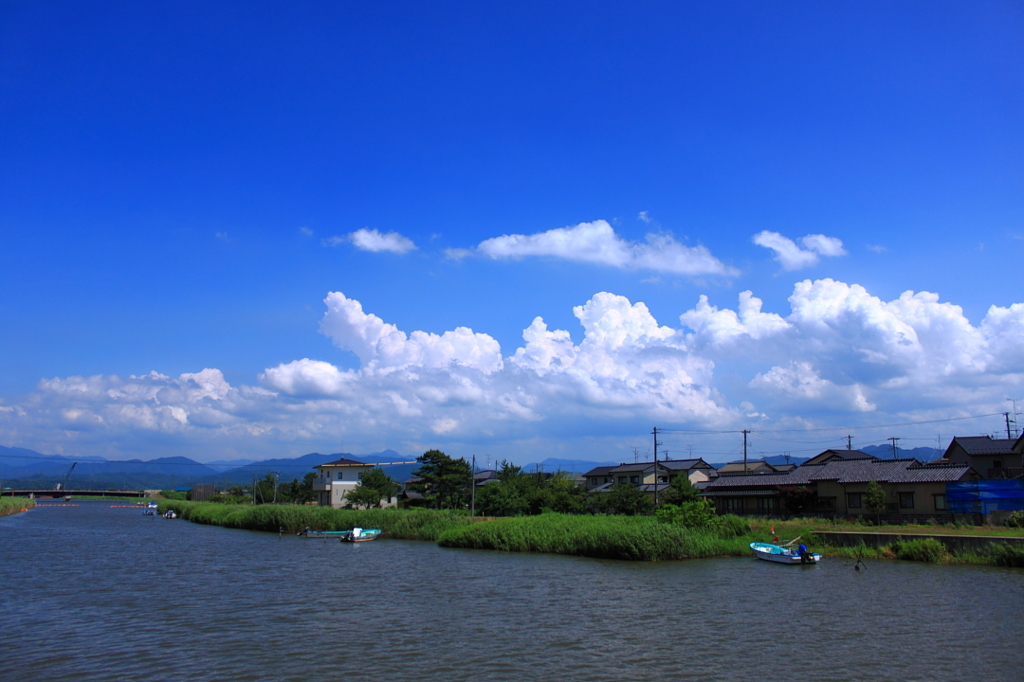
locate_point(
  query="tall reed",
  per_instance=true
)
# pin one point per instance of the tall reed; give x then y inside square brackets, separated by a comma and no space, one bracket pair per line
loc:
[13,505]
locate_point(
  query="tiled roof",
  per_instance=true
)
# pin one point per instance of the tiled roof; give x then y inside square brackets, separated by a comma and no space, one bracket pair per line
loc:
[343,462]
[984,445]
[930,474]
[680,464]
[599,471]
[849,471]
[833,453]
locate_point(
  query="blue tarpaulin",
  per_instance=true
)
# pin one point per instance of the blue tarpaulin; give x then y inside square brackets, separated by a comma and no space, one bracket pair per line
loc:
[985,496]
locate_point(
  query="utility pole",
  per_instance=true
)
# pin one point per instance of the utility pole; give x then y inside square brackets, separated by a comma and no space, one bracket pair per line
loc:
[895,446]
[636,455]
[472,488]
[1007,415]
[745,468]
[656,444]
[849,442]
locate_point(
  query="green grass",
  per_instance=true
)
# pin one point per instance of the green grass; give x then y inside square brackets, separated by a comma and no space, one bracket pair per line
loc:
[604,537]
[13,505]
[418,524]
[630,538]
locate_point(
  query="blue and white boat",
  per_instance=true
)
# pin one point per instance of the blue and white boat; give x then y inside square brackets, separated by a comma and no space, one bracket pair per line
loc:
[784,555]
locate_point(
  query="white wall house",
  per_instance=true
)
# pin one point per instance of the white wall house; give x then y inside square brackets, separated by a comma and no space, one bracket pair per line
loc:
[336,479]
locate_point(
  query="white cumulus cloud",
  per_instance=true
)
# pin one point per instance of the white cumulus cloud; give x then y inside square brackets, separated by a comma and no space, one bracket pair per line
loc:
[838,350]
[373,240]
[793,257]
[598,243]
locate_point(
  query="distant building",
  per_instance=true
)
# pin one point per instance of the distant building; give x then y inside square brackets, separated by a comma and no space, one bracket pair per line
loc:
[834,483]
[336,479]
[990,457]
[201,492]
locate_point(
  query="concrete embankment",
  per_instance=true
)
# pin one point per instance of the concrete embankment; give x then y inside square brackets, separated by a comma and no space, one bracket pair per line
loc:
[953,543]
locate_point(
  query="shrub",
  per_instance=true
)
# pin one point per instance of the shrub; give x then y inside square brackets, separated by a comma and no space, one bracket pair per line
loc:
[1007,555]
[1015,520]
[929,550]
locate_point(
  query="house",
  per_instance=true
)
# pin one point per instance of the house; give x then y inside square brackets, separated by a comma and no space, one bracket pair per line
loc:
[990,457]
[750,467]
[336,479]
[642,474]
[836,485]
[598,476]
[831,455]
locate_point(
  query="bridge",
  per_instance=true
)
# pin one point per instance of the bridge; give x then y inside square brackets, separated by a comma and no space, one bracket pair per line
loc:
[51,493]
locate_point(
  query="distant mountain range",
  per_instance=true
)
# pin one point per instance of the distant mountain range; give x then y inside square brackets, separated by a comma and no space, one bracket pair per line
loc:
[23,468]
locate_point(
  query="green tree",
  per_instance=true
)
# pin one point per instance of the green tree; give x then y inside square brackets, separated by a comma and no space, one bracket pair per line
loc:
[375,485]
[679,491]
[874,499]
[623,499]
[362,496]
[696,513]
[444,481]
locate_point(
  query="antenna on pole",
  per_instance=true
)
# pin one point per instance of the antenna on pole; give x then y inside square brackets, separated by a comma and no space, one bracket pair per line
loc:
[895,446]
[849,442]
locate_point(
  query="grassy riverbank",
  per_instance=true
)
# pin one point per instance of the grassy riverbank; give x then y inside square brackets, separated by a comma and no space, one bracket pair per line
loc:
[415,524]
[13,505]
[631,538]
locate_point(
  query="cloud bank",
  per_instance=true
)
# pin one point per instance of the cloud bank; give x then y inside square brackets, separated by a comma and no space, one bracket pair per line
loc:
[839,353]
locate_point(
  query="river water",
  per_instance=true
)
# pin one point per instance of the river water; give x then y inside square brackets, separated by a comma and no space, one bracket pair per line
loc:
[94,592]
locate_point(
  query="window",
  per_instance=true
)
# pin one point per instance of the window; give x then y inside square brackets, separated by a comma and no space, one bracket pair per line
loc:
[906,500]
[997,464]
[940,502]
[734,505]
[341,475]
[767,505]
[622,479]
[634,479]
[891,507]
[853,500]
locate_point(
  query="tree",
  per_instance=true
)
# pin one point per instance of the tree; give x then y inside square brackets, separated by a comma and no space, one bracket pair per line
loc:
[696,513]
[374,485]
[623,499]
[444,481]
[874,499]
[363,496]
[680,490]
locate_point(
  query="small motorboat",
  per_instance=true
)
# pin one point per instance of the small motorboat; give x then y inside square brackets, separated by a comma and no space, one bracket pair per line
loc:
[170,514]
[310,533]
[360,534]
[784,555]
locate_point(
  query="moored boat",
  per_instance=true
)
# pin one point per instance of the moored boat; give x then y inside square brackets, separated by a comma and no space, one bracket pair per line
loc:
[361,535]
[784,555]
[310,533]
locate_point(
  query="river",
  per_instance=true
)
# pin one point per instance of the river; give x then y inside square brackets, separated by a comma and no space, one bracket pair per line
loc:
[96,592]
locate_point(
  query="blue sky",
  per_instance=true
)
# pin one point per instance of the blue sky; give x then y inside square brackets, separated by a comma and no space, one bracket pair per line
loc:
[217,220]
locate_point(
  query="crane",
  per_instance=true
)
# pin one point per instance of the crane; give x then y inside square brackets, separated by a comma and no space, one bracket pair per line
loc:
[64,484]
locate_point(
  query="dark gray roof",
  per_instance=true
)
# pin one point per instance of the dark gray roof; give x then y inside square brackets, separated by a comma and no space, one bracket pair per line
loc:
[681,464]
[343,462]
[638,466]
[848,471]
[984,445]
[599,471]
[834,453]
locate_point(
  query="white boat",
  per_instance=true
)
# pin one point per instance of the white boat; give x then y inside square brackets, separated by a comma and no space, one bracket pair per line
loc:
[784,555]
